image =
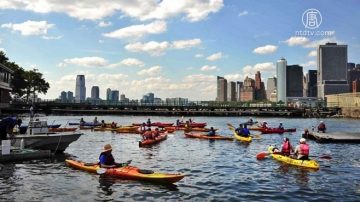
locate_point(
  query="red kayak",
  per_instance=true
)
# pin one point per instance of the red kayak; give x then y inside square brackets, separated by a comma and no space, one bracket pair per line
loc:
[188,129]
[276,130]
[193,125]
[202,136]
[152,141]
[156,124]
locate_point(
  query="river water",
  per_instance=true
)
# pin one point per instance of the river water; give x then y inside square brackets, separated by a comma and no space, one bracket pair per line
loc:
[215,170]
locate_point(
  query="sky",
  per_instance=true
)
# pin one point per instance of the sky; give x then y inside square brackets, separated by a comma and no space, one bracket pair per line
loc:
[173,48]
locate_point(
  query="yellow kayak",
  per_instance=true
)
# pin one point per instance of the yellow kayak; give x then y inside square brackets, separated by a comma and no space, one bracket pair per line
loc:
[241,138]
[301,163]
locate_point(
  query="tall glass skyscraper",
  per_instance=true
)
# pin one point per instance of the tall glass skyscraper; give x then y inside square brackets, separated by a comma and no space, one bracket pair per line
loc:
[80,89]
[95,92]
[281,80]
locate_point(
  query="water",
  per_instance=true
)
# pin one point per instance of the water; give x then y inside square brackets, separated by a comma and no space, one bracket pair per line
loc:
[215,170]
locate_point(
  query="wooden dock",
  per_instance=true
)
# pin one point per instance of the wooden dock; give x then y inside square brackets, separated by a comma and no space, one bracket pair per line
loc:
[17,154]
[335,137]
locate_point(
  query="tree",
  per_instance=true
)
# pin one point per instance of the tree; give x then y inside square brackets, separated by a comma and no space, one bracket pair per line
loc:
[35,83]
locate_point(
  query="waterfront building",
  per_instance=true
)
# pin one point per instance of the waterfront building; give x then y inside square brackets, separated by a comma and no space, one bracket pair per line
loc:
[311,81]
[108,94]
[281,80]
[350,65]
[271,87]
[259,87]
[355,86]
[80,89]
[123,99]
[294,81]
[70,96]
[239,86]
[221,89]
[114,95]
[248,90]
[178,101]
[5,87]
[148,98]
[63,97]
[332,69]
[95,93]
[232,91]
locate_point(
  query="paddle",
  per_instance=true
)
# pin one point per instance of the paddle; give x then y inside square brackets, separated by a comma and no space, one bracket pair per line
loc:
[103,170]
[232,128]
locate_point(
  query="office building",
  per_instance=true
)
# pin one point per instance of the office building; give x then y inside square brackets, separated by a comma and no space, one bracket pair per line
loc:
[259,87]
[80,89]
[311,81]
[248,90]
[232,91]
[178,101]
[63,97]
[355,86]
[148,98]
[108,94]
[239,86]
[95,93]
[353,74]
[221,89]
[114,95]
[281,80]
[124,99]
[294,81]
[271,87]
[70,96]
[332,69]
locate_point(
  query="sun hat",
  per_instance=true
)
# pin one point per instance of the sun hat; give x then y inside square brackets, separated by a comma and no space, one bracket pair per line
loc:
[107,147]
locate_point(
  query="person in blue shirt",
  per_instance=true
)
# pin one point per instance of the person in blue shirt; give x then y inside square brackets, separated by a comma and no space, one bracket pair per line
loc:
[211,132]
[7,125]
[239,130]
[107,160]
[281,126]
[148,123]
[245,131]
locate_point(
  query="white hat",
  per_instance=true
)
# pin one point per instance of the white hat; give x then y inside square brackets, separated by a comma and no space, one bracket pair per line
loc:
[321,121]
[302,140]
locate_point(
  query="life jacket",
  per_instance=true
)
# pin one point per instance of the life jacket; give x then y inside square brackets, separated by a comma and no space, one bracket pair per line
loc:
[148,134]
[156,134]
[109,159]
[286,148]
[321,126]
[304,149]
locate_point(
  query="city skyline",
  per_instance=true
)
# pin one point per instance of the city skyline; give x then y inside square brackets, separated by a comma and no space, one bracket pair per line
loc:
[171,54]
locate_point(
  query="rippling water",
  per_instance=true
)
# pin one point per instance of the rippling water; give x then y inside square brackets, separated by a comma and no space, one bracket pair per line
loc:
[215,170]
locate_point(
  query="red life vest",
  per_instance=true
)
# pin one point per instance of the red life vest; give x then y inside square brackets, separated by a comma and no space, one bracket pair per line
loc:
[286,148]
[304,149]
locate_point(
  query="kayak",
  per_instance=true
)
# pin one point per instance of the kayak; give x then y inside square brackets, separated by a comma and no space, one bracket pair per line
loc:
[256,128]
[155,124]
[189,129]
[129,173]
[277,130]
[241,138]
[54,130]
[193,125]
[202,136]
[301,163]
[86,124]
[128,129]
[153,141]
[105,129]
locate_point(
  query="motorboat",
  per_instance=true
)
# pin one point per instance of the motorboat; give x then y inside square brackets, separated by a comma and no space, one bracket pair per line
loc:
[39,137]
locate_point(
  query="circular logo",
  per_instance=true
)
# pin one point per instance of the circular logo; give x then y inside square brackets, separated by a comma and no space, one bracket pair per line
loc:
[311,18]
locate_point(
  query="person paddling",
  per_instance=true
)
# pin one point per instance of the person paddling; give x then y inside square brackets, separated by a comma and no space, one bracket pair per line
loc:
[148,122]
[250,121]
[211,132]
[286,148]
[103,125]
[113,125]
[107,160]
[156,133]
[322,127]
[239,130]
[302,150]
[281,127]
[264,124]
[306,133]
[82,122]
[245,131]
[148,134]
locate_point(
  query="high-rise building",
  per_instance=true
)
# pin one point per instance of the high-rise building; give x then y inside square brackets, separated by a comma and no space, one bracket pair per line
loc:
[63,97]
[350,65]
[123,98]
[281,80]
[148,98]
[70,96]
[114,95]
[248,90]
[221,89]
[294,81]
[271,87]
[305,86]
[332,69]
[239,86]
[232,91]
[177,101]
[259,87]
[108,94]
[353,74]
[311,81]
[95,92]
[80,90]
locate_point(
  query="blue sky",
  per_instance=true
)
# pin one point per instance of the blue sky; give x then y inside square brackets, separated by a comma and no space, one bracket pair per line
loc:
[171,47]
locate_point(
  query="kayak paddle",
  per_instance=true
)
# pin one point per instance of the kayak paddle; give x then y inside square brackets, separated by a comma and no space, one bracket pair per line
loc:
[101,171]
[325,156]
[262,155]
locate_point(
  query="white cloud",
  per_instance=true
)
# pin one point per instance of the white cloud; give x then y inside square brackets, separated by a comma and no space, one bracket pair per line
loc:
[309,64]
[30,27]
[152,71]
[208,68]
[199,55]
[312,53]
[192,11]
[158,48]
[297,41]
[85,62]
[234,77]
[243,13]
[136,31]
[266,67]
[215,56]
[316,43]
[3,50]
[153,48]
[184,44]
[104,24]
[51,37]
[132,62]
[263,50]
[307,43]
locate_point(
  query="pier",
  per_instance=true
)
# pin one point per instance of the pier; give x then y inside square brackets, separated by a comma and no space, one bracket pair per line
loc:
[335,137]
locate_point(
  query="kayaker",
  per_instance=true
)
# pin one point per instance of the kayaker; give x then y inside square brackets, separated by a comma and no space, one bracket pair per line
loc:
[302,150]
[156,133]
[7,125]
[250,121]
[143,126]
[211,132]
[239,130]
[321,127]
[190,121]
[306,133]
[245,131]
[113,125]
[147,134]
[107,160]
[82,122]
[187,125]
[264,124]
[286,147]
[178,122]
[281,127]
[148,123]
[103,125]
[95,120]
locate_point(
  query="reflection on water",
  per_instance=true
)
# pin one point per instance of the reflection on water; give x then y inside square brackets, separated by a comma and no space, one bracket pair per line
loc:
[215,170]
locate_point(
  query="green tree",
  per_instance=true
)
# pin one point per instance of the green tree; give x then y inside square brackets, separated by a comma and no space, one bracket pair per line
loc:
[35,83]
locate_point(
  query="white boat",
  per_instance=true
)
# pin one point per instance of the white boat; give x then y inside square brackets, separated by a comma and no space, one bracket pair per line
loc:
[39,137]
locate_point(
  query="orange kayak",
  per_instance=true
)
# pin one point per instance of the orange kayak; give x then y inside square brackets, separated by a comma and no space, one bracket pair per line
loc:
[54,130]
[189,129]
[202,136]
[152,141]
[129,173]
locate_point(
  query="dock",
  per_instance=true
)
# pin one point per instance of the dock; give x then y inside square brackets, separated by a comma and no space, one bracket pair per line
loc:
[335,137]
[17,154]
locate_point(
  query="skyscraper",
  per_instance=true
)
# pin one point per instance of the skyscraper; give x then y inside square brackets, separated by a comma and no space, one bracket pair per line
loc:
[108,94]
[221,89]
[259,87]
[70,96]
[332,69]
[239,86]
[95,92]
[248,90]
[114,95]
[271,87]
[80,90]
[311,80]
[281,80]
[63,97]
[294,81]
[232,91]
